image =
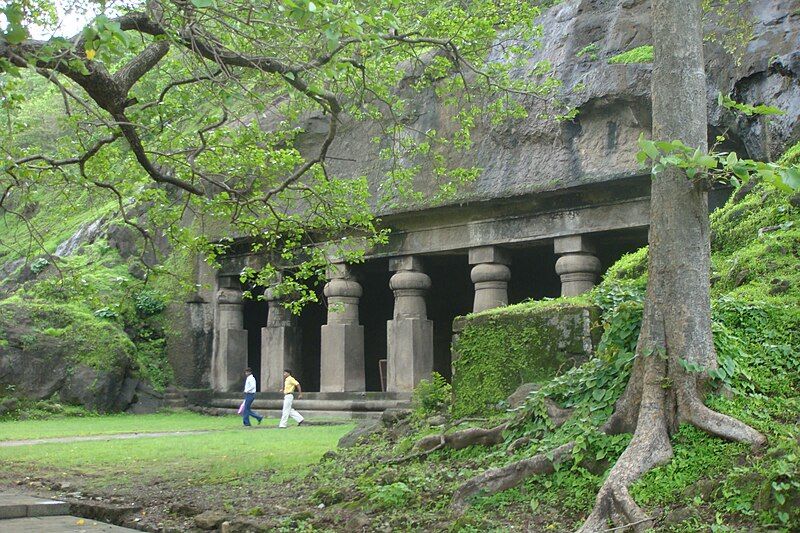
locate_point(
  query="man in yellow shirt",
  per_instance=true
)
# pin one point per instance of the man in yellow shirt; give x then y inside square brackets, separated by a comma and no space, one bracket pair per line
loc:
[289,386]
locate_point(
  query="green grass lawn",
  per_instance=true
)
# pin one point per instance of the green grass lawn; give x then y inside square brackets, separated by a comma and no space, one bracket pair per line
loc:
[230,453]
[120,423]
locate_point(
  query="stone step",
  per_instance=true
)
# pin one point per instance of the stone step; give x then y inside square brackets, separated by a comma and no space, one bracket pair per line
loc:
[20,506]
[354,396]
[309,415]
[314,404]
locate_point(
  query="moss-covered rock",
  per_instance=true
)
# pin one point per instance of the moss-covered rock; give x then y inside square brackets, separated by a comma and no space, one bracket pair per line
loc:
[49,349]
[498,350]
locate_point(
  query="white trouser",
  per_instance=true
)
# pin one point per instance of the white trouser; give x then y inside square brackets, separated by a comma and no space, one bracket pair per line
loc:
[288,411]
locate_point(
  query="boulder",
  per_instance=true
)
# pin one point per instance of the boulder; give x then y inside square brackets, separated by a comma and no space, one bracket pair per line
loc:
[7,405]
[209,520]
[126,394]
[359,432]
[518,397]
[94,389]
[146,400]
[393,416]
[54,349]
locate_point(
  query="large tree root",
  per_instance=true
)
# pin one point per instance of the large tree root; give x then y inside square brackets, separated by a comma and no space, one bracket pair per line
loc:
[463,438]
[718,424]
[481,436]
[456,440]
[500,479]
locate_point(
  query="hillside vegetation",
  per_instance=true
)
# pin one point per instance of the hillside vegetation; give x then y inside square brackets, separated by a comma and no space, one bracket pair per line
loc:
[80,294]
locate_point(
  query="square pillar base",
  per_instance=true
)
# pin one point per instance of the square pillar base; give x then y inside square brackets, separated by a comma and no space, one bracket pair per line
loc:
[409,352]
[342,358]
[280,349]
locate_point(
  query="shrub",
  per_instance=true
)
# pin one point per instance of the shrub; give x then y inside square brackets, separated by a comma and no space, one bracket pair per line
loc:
[149,303]
[394,495]
[640,54]
[432,396]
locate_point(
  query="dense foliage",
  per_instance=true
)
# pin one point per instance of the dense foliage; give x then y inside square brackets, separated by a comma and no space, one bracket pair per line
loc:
[217,117]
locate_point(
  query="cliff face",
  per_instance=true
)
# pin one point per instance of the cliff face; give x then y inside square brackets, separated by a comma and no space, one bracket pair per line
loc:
[534,155]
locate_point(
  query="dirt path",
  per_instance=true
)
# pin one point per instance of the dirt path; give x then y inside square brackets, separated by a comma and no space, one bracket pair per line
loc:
[114,436]
[121,436]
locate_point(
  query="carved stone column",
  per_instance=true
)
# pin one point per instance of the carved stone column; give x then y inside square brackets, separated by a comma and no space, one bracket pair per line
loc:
[342,349]
[578,267]
[409,334]
[490,276]
[280,344]
[230,354]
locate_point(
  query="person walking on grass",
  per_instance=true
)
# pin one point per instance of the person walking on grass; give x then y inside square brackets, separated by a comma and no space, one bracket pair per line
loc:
[249,396]
[289,386]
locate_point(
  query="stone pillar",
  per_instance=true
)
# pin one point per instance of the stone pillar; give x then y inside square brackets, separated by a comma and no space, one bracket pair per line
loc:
[490,276]
[342,349]
[280,344]
[578,267]
[409,335]
[230,354]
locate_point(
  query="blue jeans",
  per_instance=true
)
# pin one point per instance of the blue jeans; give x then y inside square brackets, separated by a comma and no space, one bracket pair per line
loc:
[247,413]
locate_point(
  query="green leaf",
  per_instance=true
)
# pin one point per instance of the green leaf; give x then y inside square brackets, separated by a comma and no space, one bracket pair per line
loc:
[16,34]
[649,148]
[791,177]
[708,161]
[200,4]
[600,455]
[767,110]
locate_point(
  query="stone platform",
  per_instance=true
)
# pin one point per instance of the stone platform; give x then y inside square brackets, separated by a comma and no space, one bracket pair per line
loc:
[345,405]
[21,513]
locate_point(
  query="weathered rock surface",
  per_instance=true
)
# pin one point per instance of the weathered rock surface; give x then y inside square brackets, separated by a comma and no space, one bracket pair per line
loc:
[145,400]
[55,350]
[210,519]
[533,155]
[518,397]
[359,432]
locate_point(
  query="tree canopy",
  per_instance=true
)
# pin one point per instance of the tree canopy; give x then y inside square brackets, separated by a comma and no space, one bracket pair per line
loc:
[194,108]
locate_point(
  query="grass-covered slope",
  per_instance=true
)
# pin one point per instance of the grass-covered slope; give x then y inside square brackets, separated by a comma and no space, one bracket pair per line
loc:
[76,298]
[710,485]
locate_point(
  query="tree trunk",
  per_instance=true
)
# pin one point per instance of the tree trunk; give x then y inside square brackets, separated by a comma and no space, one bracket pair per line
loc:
[677,317]
[676,324]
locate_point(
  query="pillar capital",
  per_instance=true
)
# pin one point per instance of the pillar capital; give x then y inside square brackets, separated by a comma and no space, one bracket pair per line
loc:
[573,244]
[406,262]
[489,254]
[278,315]
[491,286]
[409,293]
